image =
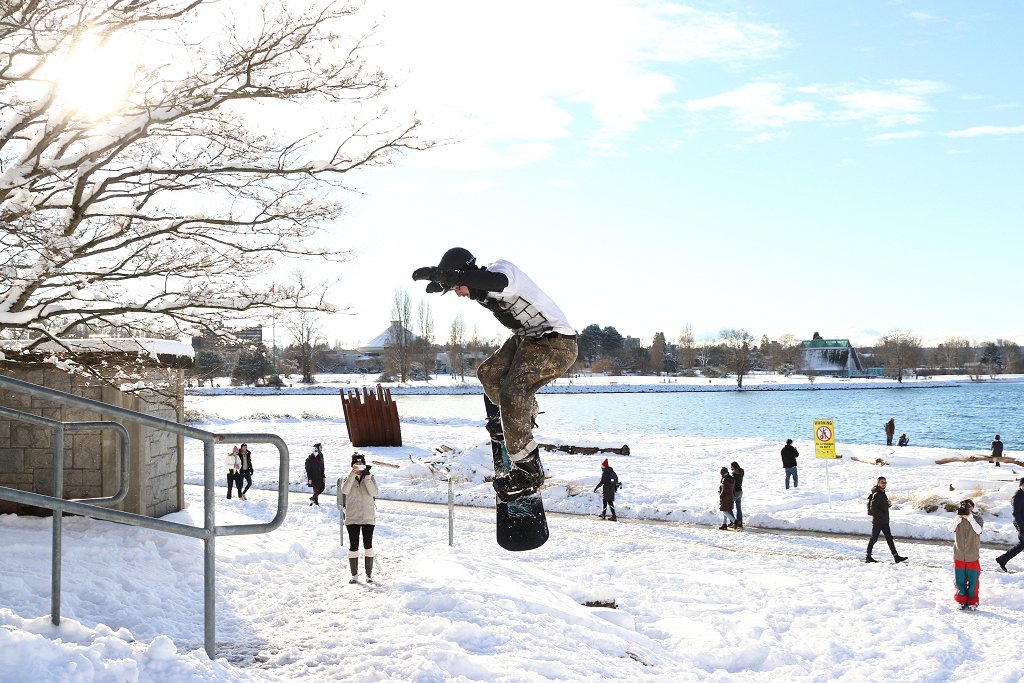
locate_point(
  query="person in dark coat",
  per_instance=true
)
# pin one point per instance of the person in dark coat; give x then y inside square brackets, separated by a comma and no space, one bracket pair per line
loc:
[878,507]
[997,449]
[789,456]
[246,472]
[316,475]
[737,475]
[726,499]
[609,484]
[1018,523]
[890,430]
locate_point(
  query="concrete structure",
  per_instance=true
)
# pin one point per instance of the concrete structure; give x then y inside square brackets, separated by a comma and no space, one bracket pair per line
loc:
[91,459]
[832,357]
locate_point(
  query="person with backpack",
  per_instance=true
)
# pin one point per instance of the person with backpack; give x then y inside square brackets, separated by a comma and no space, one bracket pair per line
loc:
[360,489]
[789,456]
[737,475]
[726,499]
[966,527]
[609,484]
[316,474]
[878,508]
[890,430]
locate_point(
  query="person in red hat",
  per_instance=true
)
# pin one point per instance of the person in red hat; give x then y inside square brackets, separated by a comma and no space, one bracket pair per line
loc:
[610,484]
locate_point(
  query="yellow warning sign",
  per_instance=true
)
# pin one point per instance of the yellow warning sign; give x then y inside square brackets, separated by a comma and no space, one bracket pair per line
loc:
[824,439]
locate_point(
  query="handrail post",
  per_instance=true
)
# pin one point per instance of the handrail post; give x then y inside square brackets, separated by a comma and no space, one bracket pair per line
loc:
[209,553]
[58,519]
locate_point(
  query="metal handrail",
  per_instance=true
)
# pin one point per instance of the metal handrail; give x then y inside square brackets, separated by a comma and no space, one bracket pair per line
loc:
[91,507]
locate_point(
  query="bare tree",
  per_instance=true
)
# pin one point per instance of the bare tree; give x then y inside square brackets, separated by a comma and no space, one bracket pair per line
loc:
[457,346]
[738,344]
[953,354]
[898,351]
[425,341]
[399,348]
[166,208]
[308,343]
[687,350]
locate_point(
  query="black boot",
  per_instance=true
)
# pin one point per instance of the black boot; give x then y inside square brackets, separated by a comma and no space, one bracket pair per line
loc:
[870,559]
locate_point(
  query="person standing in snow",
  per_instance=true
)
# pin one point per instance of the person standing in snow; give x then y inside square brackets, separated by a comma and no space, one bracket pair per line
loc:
[609,484]
[737,475]
[878,508]
[245,473]
[1018,523]
[542,348]
[997,449]
[890,430]
[359,489]
[316,474]
[726,499]
[234,465]
[966,528]
[789,456]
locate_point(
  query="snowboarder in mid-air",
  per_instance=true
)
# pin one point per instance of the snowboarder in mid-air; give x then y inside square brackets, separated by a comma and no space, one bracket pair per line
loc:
[542,349]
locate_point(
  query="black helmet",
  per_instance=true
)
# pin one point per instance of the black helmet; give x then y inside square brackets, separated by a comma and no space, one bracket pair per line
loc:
[456,258]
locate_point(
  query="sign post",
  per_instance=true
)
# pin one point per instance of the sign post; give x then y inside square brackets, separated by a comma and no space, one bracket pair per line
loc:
[825,448]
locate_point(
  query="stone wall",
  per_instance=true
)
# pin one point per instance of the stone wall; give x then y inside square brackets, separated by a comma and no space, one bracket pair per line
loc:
[92,458]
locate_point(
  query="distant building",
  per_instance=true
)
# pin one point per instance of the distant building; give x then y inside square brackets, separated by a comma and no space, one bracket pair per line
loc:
[832,357]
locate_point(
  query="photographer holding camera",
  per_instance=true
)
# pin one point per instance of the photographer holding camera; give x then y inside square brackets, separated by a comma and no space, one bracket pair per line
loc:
[966,527]
[360,488]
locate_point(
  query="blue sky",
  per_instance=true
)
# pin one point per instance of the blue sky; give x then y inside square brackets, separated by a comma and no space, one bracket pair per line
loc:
[784,167]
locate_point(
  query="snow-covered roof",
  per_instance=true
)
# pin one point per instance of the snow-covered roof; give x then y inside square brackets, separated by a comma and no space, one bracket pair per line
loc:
[384,339]
[147,347]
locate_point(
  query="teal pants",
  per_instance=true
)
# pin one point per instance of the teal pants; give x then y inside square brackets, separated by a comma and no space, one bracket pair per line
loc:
[966,575]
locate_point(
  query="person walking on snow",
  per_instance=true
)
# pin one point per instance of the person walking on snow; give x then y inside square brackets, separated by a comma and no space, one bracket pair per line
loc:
[966,527]
[997,449]
[1018,523]
[316,474]
[360,488]
[245,474]
[609,484]
[789,456]
[726,501]
[737,475]
[542,348]
[878,508]
[890,430]
[234,465]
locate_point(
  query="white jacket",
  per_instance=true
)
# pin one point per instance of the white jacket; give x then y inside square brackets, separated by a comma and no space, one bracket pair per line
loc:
[232,462]
[359,507]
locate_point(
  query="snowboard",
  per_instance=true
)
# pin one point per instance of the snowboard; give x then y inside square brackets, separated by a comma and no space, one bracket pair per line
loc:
[521,523]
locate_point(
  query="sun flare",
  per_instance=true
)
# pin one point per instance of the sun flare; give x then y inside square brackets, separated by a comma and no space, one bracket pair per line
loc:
[94,78]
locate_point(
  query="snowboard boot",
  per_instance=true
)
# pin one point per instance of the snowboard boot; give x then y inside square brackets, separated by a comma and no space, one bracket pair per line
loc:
[369,565]
[524,477]
[353,565]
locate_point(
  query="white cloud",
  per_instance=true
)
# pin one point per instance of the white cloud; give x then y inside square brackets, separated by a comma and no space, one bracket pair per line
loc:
[978,131]
[903,135]
[773,105]
[490,74]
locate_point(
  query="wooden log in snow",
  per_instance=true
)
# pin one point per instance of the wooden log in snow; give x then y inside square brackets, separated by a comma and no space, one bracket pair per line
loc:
[584,450]
[980,458]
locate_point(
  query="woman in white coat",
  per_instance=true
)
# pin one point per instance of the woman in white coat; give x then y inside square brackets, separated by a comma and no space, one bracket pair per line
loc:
[234,465]
[360,488]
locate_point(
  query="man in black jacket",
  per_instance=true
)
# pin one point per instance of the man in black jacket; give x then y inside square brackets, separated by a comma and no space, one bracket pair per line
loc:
[878,506]
[789,456]
[1018,522]
[609,484]
[541,349]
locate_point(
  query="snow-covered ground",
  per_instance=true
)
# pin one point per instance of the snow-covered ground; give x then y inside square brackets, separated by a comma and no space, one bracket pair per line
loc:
[692,602]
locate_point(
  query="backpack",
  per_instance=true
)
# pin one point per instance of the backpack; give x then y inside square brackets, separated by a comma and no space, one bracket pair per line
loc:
[870,498]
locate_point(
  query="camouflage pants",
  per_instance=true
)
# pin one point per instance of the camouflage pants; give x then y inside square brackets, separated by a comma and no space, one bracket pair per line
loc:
[511,378]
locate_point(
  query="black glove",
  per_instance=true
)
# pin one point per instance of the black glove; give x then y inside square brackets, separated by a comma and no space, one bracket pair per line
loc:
[366,470]
[619,485]
[425,273]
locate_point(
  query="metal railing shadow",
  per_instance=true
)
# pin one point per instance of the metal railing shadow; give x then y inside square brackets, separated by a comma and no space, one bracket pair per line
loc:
[96,508]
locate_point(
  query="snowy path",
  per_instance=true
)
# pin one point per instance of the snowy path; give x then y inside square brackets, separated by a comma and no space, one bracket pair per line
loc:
[694,603]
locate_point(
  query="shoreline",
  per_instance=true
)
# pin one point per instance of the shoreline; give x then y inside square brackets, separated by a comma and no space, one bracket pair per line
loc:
[568,387]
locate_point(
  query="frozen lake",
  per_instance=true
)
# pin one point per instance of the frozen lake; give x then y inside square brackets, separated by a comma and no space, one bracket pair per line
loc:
[961,417]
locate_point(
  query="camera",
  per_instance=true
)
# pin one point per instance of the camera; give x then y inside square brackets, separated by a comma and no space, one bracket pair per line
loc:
[964,509]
